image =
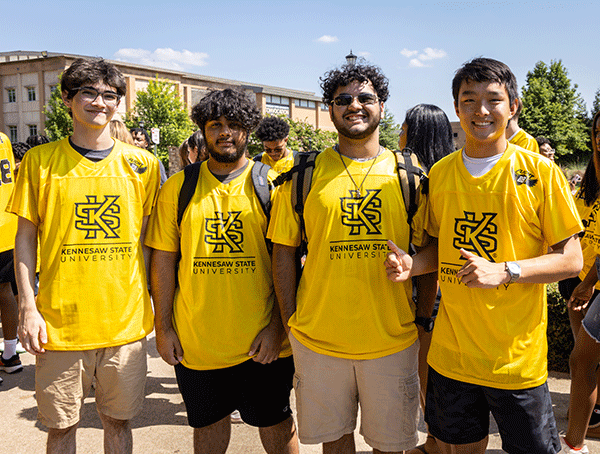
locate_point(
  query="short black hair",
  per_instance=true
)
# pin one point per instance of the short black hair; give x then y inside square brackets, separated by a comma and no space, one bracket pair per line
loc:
[88,71]
[485,70]
[346,74]
[144,132]
[541,140]
[428,134]
[36,139]
[272,129]
[231,103]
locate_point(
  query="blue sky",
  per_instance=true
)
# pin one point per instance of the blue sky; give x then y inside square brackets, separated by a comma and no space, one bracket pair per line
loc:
[418,44]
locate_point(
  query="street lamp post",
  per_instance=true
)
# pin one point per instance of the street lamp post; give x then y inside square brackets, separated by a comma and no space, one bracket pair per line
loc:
[351,58]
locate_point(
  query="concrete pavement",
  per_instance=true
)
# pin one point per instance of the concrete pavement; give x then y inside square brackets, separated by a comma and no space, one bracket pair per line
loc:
[162,425]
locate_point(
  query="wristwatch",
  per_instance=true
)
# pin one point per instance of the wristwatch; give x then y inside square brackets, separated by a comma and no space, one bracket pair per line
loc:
[426,322]
[514,271]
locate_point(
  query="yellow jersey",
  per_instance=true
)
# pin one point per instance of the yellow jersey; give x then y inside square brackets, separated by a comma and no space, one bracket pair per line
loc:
[525,140]
[283,165]
[495,337]
[8,221]
[93,291]
[225,294]
[346,306]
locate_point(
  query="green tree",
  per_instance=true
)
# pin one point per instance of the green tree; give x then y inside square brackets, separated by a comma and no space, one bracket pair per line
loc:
[59,123]
[159,106]
[303,137]
[552,108]
[388,131]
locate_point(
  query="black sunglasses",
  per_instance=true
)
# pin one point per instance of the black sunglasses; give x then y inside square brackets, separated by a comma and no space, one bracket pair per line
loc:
[346,99]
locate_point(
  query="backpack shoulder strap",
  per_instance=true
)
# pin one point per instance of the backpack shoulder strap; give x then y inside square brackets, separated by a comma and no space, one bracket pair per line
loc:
[259,173]
[410,175]
[301,176]
[258,157]
[190,181]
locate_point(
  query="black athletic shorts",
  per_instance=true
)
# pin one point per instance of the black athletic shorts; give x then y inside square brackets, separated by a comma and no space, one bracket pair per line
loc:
[7,269]
[261,392]
[458,413]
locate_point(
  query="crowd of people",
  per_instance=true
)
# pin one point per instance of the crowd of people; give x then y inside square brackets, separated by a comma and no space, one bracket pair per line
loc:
[357,276]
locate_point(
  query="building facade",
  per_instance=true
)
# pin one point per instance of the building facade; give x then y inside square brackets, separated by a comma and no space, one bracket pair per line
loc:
[27,80]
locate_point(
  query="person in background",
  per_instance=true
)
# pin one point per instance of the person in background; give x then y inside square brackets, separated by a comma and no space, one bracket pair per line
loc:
[141,139]
[427,132]
[35,140]
[197,151]
[274,132]
[517,136]
[545,147]
[119,131]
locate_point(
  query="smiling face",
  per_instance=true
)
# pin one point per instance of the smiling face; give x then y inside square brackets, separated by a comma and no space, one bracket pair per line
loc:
[225,140]
[356,121]
[94,114]
[484,109]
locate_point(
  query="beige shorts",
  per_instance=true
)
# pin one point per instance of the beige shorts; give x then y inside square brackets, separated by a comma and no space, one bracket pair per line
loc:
[329,391]
[63,379]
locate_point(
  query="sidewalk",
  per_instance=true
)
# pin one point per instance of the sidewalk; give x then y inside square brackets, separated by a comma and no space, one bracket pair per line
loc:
[162,426]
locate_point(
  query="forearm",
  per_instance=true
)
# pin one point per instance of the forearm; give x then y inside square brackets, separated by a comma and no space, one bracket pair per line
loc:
[425,261]
[25,263]
[564,261]
[284,280]
[163,279]
[426,286]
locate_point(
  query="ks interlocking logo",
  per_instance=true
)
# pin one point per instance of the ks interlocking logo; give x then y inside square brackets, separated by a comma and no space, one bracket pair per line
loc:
[225,231]
[362,213]
[96,216]
[477,235]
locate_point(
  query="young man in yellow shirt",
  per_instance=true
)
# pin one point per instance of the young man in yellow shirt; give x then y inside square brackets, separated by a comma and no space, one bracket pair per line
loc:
[87,199]
[274,132]
[494,209]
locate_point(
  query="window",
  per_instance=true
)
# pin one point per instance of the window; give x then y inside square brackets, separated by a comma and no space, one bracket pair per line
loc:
[304,103]
[31,93]
[11,95]
[278,100]
[324,106]
[32,130]
[12,133]
[53,87]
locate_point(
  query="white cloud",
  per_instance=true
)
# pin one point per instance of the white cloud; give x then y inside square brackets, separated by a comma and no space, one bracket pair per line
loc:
[426,55]
[408,53]
[364,55]
[165,58]
[432,54]
[328,39]
[416,63]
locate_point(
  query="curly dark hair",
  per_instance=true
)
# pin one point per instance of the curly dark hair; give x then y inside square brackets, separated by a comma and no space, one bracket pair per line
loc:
[485,70]
[19,149]
[234,104]
[88,71]
[272,129]
[340,77]
[590,188]
[37,139]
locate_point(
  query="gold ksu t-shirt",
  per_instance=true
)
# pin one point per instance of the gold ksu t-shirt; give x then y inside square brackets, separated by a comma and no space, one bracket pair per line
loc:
[93,291]
[346,306]
[590,241]
[525,140]
[8,221]
[495,337]
[225,295]
[283,165]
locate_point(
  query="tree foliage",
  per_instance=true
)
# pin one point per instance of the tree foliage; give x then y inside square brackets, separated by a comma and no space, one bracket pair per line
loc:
[388,131]
[59,123]
[302,137]
[159,106]
[596,104]
[552,108]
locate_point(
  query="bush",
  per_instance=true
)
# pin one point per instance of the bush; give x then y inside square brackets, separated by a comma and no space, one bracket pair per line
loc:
[560,338]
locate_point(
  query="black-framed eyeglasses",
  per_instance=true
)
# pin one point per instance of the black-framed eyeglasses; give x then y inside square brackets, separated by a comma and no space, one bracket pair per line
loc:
[90,94]
[346,99]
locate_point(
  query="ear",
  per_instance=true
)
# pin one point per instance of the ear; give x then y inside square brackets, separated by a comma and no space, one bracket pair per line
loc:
[513,108]
[456,109]
[331,112]
[66,100]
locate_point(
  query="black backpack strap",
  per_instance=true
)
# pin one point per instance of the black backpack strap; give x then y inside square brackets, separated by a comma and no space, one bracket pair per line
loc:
[190,181]
[410,175]
[258,157]
[259,173]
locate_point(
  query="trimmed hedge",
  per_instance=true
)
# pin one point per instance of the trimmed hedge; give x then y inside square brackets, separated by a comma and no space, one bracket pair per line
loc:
[560,338]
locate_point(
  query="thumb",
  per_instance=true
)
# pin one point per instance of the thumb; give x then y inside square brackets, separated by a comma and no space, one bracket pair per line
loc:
[395,249]
[466,254]
[254,346]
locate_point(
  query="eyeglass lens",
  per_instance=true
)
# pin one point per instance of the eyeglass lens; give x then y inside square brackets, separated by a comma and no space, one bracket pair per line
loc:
[345,99]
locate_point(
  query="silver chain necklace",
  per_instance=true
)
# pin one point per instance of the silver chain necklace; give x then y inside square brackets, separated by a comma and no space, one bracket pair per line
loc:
[357,193]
